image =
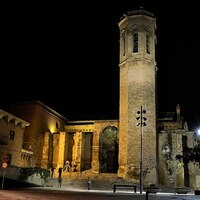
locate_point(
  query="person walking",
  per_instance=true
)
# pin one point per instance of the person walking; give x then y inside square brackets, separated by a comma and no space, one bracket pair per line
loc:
[52,171]
[75,167]
[59,182]
[59,172]
[89,184]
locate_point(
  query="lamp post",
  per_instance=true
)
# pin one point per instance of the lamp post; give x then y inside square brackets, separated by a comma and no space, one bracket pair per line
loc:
[197,135]
[141,123]
[196,144]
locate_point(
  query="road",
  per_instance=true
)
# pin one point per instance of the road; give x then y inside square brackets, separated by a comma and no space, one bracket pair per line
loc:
[63,194]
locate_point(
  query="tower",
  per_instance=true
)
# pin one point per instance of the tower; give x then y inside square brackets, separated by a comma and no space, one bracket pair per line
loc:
[137,90]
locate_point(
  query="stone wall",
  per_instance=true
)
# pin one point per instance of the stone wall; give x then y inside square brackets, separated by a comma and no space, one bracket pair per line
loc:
[171,171]
[11,140]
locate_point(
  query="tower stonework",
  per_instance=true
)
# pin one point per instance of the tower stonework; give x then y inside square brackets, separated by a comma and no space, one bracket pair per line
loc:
[137,89]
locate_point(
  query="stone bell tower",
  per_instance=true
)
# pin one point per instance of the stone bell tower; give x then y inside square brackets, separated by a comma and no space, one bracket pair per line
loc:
[137,90]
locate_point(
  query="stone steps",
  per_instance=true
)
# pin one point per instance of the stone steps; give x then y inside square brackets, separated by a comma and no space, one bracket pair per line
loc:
[79,181]
[86,175]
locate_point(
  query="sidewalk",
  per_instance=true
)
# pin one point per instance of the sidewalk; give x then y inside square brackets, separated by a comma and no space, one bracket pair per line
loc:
[24,194]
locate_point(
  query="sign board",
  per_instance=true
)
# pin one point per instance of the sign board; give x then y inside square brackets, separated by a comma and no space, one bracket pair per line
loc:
[4,165]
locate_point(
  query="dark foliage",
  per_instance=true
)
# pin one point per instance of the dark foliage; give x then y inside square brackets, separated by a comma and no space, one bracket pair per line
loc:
[190,154]
[26,172]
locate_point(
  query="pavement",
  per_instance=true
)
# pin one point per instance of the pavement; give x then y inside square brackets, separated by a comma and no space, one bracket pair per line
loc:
[30,194]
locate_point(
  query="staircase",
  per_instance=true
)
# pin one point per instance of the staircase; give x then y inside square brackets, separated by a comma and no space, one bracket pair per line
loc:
[76,180]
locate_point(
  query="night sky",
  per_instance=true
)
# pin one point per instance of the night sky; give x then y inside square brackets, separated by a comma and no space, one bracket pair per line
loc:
[67,55]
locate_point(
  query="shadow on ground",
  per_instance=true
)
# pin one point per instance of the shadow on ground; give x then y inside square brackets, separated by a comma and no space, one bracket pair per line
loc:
[14,184]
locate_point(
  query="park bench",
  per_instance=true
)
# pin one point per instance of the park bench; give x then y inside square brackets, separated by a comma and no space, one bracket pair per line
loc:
[115,186]
[182,190]
[151,189]
[197,192]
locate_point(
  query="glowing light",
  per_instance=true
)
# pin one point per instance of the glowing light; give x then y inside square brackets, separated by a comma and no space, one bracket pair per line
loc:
[198,132]
[51,128]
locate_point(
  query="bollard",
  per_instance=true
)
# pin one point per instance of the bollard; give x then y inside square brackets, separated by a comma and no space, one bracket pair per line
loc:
[135,189]
[147,194]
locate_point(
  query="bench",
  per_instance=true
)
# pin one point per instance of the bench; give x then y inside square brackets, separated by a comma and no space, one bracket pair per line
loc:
[182,190]
[197,192]
[152,190]
[115,186]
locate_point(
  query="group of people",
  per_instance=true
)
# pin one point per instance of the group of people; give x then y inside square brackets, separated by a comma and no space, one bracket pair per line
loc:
[67,168]
[59,175]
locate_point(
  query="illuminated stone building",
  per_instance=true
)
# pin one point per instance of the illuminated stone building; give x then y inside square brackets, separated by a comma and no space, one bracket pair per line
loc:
[116,146]
[54,139]
[11,142]
[45,130]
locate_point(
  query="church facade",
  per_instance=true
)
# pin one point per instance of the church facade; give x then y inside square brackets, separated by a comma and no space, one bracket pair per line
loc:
[137,147]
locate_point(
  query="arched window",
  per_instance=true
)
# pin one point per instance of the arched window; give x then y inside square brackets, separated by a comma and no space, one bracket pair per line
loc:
[57,124]
[108,155]
[135,42]
[148,32]
[147,43]
[124,41]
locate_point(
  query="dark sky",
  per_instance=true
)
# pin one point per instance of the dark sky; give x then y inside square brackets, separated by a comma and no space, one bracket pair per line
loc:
[67,55]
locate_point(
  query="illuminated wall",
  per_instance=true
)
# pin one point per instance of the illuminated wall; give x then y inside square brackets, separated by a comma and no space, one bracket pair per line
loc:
[137,88]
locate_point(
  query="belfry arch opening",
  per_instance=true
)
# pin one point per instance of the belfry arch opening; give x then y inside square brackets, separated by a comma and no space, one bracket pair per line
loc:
[108,150]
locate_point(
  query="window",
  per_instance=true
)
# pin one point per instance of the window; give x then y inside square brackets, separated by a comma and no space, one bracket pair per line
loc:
[124,42]
[57,125]
[12,135]
[3,140]
[135,42]
[147,43]
[148,34]
[9,157]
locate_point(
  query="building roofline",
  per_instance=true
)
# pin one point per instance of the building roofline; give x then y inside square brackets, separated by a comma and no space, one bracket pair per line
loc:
[140,11]
[44,106]
[11,117]
[82,122]
[133,13]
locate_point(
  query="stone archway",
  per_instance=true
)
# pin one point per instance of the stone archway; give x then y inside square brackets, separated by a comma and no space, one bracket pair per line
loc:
[108,150]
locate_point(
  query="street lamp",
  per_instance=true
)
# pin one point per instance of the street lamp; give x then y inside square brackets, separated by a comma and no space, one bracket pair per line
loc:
[141,123]
[198,132]
[197,135]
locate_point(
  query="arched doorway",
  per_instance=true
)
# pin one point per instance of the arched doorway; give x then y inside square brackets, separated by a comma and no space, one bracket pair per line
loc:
[108,147]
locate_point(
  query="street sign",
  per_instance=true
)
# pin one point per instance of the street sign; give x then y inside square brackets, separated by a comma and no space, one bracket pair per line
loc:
[4,165]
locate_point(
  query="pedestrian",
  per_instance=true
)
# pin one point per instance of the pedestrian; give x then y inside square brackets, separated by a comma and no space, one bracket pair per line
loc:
[89,184]
[59,182]
[75,167]
[52,171]
[59,172]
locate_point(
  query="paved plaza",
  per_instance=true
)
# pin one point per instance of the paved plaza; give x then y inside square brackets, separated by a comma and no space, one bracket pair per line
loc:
[44,193]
